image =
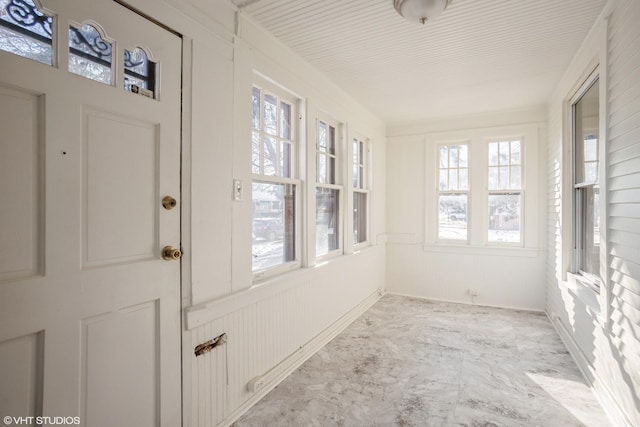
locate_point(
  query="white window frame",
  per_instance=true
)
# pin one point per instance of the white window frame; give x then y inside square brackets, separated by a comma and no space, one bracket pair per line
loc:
[360,184]
[335,185]
[507,191]
[281,94]
[439,192]
[589,280]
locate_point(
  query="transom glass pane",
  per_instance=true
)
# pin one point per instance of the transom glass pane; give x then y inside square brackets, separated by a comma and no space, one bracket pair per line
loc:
[139,72]
[89,54]
[26,31]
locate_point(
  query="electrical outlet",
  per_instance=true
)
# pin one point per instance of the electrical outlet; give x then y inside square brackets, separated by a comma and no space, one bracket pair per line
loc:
[472,292]
[255,384]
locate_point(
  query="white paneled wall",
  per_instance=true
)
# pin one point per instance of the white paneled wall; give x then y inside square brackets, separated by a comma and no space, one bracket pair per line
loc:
[603,331]
[273,332]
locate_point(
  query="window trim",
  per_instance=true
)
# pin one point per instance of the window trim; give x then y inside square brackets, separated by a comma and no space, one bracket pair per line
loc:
[521,191]
[588,280]
[362,188]
[467,192]
[336,185]
[281,94]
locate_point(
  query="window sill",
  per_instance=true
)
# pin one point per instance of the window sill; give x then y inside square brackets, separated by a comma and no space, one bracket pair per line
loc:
[501,251]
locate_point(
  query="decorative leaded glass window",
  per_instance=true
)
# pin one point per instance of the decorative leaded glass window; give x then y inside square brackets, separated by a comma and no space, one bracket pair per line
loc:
[26,30]
[90,53]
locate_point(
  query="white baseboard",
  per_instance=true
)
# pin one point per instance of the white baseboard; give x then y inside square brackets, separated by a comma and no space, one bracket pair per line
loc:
[602,393]
[293,362]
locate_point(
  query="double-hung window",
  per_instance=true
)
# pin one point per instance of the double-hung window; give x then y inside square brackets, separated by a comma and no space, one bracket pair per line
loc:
[585,114]
[275,184]
[453,192]
[360,191]
[505,191]
[328,190]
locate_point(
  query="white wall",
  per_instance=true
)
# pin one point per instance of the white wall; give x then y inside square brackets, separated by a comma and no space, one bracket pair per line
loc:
[602,331]
[274,325]
[420,266]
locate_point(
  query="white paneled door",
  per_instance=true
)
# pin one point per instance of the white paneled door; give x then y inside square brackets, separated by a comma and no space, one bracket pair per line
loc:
[89,149]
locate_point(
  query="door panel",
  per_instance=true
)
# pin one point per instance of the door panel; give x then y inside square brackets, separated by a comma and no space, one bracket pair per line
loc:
[120,169]
[83,286]
[20,175]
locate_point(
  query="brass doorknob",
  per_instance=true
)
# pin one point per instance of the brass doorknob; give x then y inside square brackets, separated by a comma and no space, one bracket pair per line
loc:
[171,254]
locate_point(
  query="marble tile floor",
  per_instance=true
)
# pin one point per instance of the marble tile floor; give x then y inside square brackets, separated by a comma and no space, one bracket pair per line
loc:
[411,362]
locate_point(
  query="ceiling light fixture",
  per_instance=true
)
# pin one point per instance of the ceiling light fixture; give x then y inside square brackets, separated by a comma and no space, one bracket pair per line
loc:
[420,11]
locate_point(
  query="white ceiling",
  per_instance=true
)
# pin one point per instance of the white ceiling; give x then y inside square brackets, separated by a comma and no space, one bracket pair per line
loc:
[478,56]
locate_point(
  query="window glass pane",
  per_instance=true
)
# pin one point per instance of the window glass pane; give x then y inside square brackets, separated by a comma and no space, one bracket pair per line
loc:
[273,224]
[589,250]
[452,217]
[285,160]
[493,178]
[322,168]
[463,179]
[515,152]
[503,154]
[332,140]
[322,136]
[516,183]
[586,130]
[444,157]
[444,180]
[504,178]
[504,218]
[255,106]
[331,170]
[25,30]
[493,154]
[89,54]
[327,220]
[362,183]
[139,72]
[285,120]
[270,156]
[464,156]
[453,179]
[270,114]
[359,217]
[355,176]
[255,152]
[453,157]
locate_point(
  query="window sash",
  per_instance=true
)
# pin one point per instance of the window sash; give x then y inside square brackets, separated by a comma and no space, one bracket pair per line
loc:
[585,177]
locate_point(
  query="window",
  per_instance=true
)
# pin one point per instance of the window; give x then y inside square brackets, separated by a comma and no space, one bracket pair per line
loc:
[90,53]
[585,111]
[327,190]
[360,193]
[139,72]
[274,189]
[453,192]
[505,191]
[26,30]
